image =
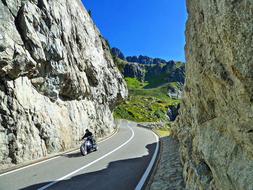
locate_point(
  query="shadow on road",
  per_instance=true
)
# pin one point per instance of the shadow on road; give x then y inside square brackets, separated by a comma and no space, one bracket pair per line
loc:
[73,155]
[122,174]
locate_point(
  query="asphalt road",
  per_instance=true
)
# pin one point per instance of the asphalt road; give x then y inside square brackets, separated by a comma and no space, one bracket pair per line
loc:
[121,162]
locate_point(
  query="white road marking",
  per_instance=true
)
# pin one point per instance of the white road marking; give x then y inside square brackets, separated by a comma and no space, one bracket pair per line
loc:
[150,166]
[91,163]
[49,159]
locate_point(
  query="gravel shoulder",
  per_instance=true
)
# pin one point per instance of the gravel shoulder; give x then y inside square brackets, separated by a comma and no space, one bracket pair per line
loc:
[168,174]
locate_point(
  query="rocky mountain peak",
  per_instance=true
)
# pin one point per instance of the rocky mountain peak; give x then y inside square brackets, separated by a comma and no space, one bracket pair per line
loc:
[117,52]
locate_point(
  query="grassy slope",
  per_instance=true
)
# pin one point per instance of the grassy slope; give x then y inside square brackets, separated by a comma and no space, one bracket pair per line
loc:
[144,105]
[157,81]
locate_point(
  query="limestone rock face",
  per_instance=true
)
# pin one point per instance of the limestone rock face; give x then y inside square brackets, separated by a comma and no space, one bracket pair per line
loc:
[215,128]
[57,78]
[134,70]
[145,60]
[118,53]
[175,93]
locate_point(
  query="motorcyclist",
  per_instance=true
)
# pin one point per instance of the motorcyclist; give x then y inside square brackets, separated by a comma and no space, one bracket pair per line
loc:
[89,135]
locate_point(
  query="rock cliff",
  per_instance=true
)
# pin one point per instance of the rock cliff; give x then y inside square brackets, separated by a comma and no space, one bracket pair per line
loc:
[134,70]
[145,60]
[215,128]
[145,68]
[57,78]
[117,53]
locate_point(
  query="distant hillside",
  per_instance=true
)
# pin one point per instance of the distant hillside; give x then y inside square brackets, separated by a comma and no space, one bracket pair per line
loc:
[147,105]
[155,87]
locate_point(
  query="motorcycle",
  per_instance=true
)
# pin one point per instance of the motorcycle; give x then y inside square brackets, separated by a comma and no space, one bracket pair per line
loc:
[88,146]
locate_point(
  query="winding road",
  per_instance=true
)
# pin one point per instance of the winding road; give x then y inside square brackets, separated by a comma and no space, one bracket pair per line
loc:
[121,162]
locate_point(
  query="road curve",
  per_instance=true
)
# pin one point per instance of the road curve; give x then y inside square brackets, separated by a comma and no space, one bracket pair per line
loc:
[122,162]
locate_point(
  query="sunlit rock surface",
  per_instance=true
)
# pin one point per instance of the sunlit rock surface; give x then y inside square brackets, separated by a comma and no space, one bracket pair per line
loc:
[215,129]
[57,78]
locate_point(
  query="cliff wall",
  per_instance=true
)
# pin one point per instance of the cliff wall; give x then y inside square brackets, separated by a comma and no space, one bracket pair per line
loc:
[57,78]
[215,128]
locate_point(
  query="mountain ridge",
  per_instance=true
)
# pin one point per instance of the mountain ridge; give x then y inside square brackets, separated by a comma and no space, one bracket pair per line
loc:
[141,59]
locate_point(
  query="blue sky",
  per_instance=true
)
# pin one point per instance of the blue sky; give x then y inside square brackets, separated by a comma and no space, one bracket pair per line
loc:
[142,27]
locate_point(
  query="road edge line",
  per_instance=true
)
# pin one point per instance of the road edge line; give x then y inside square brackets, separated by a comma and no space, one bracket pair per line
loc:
[151,165]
